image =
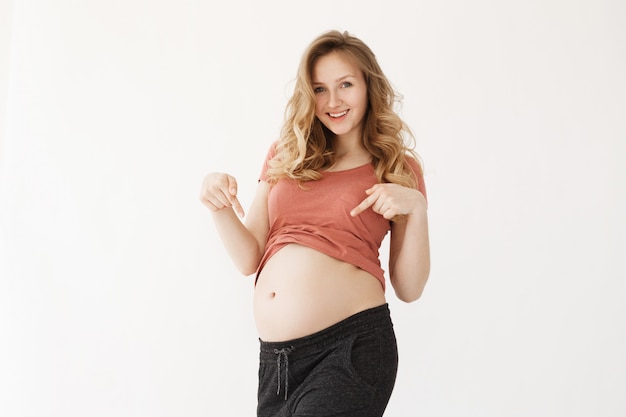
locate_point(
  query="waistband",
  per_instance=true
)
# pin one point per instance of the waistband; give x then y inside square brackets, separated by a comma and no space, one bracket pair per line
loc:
[372,319]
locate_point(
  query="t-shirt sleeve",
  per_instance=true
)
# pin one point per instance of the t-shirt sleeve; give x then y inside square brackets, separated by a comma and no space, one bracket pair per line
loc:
[270,154]
[419,175]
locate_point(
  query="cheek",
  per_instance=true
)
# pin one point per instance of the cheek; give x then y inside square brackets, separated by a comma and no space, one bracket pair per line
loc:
[318,107]
[364,99]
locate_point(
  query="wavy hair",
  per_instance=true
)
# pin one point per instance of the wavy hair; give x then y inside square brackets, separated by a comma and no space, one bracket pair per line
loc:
[305,146]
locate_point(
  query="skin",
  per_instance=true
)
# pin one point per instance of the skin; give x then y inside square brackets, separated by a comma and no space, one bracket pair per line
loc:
[340,88]
[301,291]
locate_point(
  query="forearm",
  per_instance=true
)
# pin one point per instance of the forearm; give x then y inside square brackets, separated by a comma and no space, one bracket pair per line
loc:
[241,245]
[410,262]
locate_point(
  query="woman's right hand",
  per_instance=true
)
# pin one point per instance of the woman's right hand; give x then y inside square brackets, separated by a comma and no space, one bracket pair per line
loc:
[219,191]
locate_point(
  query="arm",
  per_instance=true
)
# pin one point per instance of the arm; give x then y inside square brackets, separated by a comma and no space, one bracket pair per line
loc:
[409,254]
[244,243]
[409,249]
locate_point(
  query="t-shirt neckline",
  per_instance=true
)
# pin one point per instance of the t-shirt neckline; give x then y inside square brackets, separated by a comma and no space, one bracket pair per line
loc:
[348,170]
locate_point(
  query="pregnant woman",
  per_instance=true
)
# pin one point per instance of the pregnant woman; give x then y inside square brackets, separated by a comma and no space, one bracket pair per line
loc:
[341,175]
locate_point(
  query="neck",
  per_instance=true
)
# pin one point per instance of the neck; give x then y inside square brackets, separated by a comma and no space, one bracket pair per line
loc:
[347,146]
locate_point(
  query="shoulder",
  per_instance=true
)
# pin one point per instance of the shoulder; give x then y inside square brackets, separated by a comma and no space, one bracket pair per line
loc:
[415,165]
[271,153]
[272,150]
[418,172]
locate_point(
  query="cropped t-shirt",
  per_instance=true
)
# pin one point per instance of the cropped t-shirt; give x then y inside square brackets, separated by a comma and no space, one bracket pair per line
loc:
[318,216]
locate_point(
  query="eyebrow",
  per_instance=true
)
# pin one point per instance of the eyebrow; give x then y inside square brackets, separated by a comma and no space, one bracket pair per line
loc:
[337,80]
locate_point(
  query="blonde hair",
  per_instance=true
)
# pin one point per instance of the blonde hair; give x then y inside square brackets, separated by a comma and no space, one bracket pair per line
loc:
[305,144]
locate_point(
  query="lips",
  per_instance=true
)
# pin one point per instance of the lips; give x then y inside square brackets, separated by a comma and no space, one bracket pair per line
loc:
[338,115]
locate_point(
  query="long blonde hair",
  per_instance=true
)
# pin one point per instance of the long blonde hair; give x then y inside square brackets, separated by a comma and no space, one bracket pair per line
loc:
[305,145]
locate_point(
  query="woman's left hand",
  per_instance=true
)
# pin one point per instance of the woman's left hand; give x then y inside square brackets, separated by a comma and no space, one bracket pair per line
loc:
[391,200]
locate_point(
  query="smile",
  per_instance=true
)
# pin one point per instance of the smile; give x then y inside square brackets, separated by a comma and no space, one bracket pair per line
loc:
[338,115]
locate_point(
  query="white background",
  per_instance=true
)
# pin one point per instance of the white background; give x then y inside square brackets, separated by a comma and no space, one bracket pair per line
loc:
[116,296]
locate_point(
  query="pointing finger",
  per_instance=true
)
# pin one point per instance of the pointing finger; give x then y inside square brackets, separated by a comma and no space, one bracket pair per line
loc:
[232,185]
[237,206]
[361,207]
[232,197]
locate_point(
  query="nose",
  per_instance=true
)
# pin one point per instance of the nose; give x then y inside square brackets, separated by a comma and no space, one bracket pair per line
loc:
[334,99]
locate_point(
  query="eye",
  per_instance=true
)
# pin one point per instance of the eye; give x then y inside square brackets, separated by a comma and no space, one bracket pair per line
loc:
[318,90]
[346,84]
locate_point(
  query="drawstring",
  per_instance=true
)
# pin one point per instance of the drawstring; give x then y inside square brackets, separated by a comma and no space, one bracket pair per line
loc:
[283,353]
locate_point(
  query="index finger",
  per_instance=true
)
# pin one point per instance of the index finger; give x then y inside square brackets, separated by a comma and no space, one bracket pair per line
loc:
[362,206]
[232,196]
[236,205]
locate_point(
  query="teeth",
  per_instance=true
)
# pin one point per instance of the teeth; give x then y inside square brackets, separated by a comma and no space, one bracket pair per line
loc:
[338,114]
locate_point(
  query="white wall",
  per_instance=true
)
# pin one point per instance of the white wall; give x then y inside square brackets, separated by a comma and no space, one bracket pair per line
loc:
[116,297]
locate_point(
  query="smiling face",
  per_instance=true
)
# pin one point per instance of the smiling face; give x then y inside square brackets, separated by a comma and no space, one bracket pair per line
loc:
[340,95]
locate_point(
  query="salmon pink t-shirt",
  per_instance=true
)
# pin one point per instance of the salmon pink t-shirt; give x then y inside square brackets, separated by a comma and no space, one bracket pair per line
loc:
[318,216]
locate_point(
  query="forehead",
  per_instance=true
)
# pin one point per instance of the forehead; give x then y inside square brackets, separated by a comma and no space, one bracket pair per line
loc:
[334,65]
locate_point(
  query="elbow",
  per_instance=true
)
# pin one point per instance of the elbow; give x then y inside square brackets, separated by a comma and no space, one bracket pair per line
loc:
[411,290]
[248,268]
[248,265]
[246,272]
[409,296]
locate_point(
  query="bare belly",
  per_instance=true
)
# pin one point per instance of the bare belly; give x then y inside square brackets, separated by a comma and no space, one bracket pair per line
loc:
[301,291]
